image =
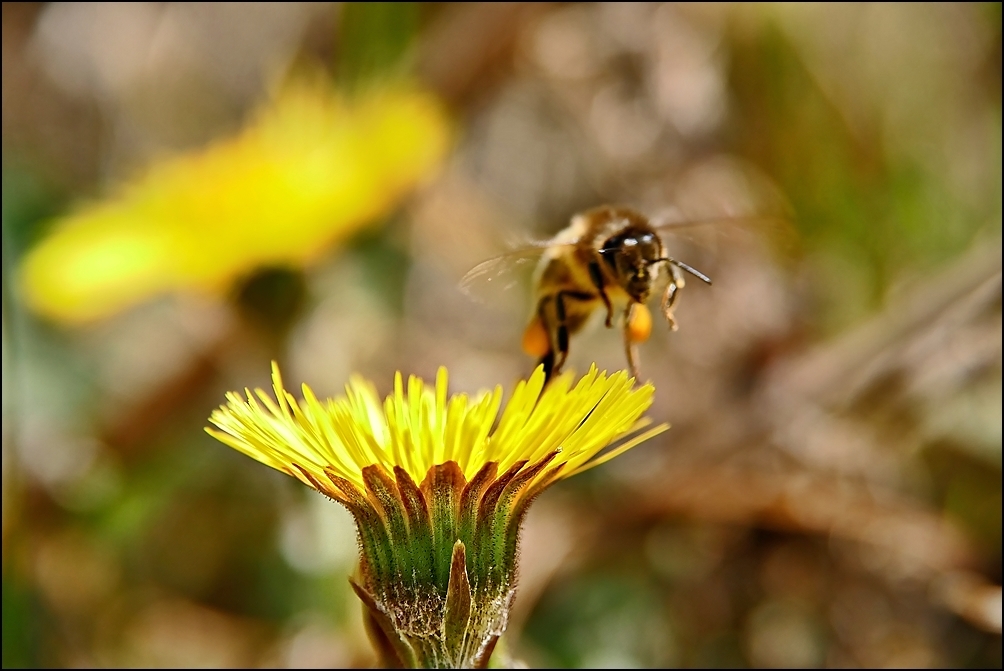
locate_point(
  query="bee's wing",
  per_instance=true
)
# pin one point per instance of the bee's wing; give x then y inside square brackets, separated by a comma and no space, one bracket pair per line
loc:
[777,231]
[502,272]
[671,222]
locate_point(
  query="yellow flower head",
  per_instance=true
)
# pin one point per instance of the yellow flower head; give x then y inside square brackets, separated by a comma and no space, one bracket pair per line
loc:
[419,427]
[307,172]
[438,559]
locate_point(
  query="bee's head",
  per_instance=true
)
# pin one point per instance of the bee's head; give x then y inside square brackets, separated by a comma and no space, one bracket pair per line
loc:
[630,255]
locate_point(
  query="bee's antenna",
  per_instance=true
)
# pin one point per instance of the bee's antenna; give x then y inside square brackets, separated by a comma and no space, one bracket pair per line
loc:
[680,264]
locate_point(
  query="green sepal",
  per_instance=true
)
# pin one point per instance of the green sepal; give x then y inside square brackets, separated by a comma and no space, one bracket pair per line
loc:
[458,601]
[438,567]
[384,489]
[481,661]
[484,538]
[419,527]
[393,650]
[469,500]
[518,513]
[505,539]
[377,552]
[443,486]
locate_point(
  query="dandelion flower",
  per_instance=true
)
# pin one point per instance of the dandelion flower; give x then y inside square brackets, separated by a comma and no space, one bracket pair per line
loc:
[438,487]
[310,169]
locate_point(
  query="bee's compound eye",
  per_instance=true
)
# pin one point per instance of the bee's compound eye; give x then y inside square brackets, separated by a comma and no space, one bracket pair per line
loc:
[640,323]
[535,339]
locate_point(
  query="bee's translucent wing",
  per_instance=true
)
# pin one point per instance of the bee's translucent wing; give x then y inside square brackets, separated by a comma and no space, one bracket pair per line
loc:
[777,231]
[672,222]
[502,272]
[723,199]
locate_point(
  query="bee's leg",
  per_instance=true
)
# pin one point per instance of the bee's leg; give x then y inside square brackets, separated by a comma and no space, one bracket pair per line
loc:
[560,328]
[630,346]
[545,350]
[669,298]
[547,361]
[561,331]
[597,276]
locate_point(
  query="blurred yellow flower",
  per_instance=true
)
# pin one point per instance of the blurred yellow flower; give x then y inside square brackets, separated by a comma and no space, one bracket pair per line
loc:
[309,171]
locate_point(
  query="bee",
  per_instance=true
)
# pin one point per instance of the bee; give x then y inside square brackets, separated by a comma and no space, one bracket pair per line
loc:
[610,258]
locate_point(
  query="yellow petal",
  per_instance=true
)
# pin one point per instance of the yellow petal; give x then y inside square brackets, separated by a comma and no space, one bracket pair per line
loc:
[419,426]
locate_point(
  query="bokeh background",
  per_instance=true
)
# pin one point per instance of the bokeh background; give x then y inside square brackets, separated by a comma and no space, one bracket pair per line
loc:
[830,491]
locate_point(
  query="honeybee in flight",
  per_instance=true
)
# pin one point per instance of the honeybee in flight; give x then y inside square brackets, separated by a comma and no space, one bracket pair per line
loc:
[608,257]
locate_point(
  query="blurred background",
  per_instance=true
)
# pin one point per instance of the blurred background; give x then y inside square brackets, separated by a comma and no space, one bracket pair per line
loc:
[830,491]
